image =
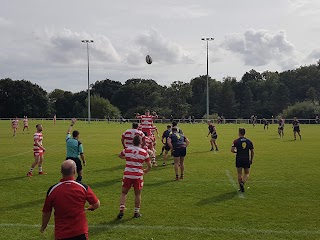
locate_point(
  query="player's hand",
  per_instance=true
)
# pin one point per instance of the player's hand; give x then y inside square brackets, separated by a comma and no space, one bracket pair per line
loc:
[145,171]
[44,149]
[84,162]
[90,208]
[73,121]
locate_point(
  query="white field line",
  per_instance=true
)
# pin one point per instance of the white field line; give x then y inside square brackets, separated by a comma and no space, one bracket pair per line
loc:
[19,154]
[233,183]
[182,228]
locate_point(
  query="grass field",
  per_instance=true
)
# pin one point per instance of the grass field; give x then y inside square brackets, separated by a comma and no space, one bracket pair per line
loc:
[281,203]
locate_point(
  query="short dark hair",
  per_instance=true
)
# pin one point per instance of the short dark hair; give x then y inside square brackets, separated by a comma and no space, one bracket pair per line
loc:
[242,131]
[75,133]
[174,129]
[168,126]
[136,140]
[174,124]
[38,125]
[135,125]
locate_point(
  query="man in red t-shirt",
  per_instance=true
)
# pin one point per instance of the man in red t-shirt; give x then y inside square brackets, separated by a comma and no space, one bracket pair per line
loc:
[133,174]
[68,199]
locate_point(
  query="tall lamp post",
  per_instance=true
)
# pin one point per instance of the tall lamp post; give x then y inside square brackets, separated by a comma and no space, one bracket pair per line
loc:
[89,112]
[207,39]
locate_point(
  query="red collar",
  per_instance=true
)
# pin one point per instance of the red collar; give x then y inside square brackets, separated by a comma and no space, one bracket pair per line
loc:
[67,179]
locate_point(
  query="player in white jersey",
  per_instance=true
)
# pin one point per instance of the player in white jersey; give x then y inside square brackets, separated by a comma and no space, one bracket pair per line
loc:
[38,151]
[25,124]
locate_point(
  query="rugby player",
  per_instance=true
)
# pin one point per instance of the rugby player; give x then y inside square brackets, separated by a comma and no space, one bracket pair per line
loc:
[178,143]
[165,146]
[281,127]
[135,156]
[147,120]
[25,124]
[296,128]
[54,119]
[175,125]
[265,124]
[214,135]
[75,149]
[242,146]
[38,151]
[14,125]
[150,148]
[129,134]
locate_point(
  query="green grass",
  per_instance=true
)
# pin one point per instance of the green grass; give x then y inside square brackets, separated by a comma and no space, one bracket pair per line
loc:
[281,203]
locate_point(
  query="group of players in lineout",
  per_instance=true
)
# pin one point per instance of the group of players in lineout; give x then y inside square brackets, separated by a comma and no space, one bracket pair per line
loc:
[139,144]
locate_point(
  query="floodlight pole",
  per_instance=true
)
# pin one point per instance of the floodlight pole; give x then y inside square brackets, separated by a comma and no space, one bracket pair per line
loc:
[89,111]
[207,40]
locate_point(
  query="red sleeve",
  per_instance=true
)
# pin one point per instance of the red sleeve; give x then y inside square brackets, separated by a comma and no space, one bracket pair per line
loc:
[91,197]
[47,207]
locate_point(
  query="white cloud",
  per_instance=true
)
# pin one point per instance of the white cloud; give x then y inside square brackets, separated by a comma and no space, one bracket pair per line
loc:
[315,54]
[261,47]
[159,48]
[65,46]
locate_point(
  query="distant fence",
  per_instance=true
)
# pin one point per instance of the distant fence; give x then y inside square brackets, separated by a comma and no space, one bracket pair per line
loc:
[166,121]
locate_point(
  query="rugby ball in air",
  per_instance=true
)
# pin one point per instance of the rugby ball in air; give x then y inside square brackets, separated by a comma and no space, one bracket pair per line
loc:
[148,59]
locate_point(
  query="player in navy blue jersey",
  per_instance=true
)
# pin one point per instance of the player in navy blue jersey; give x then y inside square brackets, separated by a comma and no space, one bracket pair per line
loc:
[165,147]
[178,143]
[243,147]
[296,128]
[214,135]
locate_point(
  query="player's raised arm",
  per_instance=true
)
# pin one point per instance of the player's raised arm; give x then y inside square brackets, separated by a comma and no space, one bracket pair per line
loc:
[73,121]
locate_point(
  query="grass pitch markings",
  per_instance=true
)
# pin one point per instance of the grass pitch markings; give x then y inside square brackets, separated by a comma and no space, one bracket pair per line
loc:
[234,184]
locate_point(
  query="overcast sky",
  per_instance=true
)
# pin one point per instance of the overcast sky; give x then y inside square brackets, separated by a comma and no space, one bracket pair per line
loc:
[41,39]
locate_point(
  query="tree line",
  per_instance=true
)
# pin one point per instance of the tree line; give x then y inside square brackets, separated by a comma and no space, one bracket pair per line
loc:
[265,94]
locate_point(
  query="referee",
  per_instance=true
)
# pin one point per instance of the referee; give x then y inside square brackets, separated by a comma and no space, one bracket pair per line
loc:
[75,149]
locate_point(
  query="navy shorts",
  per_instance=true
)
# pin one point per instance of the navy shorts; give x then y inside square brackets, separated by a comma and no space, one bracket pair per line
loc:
[214,136]
[78,163]
[242,163]
[166,147]
[296,129]
[179,152]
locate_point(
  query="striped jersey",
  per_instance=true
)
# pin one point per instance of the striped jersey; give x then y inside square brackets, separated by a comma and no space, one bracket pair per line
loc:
[129,134]
[14,123]
[25,122]
[37,137]
[146,122]
[149,143]
[135,157]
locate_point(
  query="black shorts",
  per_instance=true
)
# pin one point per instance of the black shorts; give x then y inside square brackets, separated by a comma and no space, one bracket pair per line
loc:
[242,163]
[214,136]
[166,147]
[280,128]
[179,152]
[296,129]
[78,163]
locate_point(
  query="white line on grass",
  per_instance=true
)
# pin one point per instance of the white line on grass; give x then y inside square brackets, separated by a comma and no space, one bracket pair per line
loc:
[182,228]
[19,154]
[233,183]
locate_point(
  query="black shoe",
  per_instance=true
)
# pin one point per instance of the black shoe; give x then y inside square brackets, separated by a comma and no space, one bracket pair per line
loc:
[241,187]
[120,215]
[160,154]
[217,149]
[211,149]
[163,164]
[137,215]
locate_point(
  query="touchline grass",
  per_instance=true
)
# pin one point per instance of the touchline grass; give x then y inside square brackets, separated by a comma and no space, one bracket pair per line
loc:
[282,201]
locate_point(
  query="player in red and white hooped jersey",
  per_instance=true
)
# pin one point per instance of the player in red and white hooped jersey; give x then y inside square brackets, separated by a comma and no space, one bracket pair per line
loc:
[25,124]
[38,151]
[14,125]
[135,157]
[147,120]
[129,134]
[150,148]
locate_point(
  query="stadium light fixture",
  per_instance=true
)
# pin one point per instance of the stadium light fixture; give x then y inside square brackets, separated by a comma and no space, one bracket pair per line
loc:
[89,110]
[207,39]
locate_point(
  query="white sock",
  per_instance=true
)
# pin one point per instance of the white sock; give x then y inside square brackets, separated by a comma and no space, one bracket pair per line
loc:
[40,169]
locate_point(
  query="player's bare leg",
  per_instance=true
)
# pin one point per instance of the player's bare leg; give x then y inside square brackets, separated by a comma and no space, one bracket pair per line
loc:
[215,144]
[295,135]
[123,198]
[176,167]
[14,132]
[165,157]
[211,142]
[41,159]
[181,167]
[299,135]
[246,175]
[137,203]
[33,165]
[240,179]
